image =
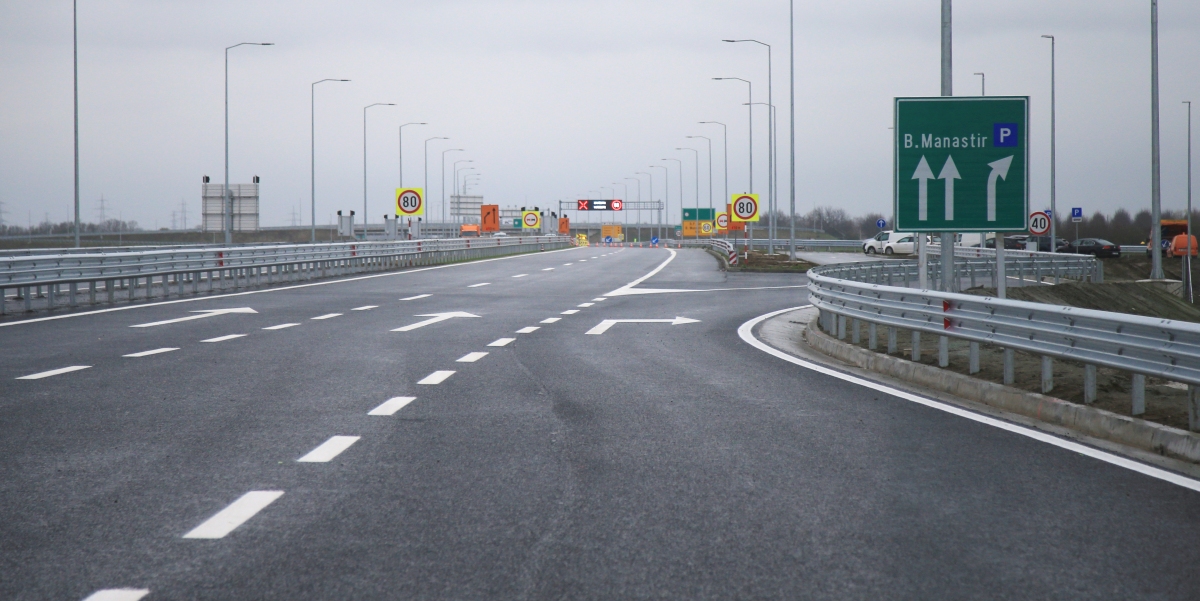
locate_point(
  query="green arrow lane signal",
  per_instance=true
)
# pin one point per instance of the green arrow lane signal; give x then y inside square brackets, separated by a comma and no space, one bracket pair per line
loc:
[978,147]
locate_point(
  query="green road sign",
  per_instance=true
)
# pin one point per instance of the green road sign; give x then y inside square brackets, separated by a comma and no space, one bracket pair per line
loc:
[699,214]
[978,147]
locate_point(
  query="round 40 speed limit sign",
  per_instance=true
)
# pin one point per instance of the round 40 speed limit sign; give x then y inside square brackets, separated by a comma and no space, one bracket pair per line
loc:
[744,207]
[1039,223]
[410,201]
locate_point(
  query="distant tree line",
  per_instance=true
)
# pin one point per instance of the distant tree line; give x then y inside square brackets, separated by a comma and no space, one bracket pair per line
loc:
[1121,227]
[68,228]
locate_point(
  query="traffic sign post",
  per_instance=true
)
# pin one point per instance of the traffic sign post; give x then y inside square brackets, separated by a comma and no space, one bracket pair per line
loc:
[1076,217]
[410,202]
[978,147]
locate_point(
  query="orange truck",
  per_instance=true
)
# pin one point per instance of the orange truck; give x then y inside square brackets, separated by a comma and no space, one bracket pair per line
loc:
[469,230]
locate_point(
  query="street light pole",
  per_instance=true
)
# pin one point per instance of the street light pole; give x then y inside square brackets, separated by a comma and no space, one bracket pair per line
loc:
[750,112]
[1053,154]
[365,162]
[680,167]
[983,84]
[792,123]
[725,153]
[1156,270]
[1187,263]
[712,232]
[425,169]
[75,59]
[696,173]
[401,146]
[312,107]
[228,196]
[666,195]
[771,149]
[651,176]
[442,182]
[639,199]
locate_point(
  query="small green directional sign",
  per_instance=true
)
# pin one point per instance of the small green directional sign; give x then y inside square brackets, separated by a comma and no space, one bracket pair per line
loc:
[699,214]
[962,164]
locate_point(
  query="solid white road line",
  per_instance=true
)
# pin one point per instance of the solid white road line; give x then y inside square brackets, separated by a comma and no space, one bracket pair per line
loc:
[326,316]
[282,326]
[520,275]
[528,330]
[471,357]
[548,269]
[329,449]
[118,594]
[365,308]
[585,304]
[53,372]
[223,338]
[551,319]
[437,377]
[417,296]
[569,312]
[227,520]
[153,352]
[392,405]
[599,299]
[501,341]
[746,333]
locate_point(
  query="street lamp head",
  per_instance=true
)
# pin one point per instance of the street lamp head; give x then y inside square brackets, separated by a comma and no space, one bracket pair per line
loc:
[266,43]
[728,40]
[1048,36]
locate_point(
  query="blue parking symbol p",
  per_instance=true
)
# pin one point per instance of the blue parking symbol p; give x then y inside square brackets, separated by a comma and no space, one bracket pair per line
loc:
[1005,134]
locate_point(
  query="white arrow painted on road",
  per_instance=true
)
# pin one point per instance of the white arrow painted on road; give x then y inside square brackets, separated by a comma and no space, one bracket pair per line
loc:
[433,318]
[924,174]
[202,315]
[999,170]
[949,173]
[603,326]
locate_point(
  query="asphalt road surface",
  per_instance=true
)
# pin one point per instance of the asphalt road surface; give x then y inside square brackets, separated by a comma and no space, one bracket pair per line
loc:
[339,458]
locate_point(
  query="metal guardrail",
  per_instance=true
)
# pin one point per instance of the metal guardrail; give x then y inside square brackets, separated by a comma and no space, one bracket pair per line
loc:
[1161,348]
[219,268]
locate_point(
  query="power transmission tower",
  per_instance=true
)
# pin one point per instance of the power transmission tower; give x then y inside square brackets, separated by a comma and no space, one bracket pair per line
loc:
[183,211]
[101,210]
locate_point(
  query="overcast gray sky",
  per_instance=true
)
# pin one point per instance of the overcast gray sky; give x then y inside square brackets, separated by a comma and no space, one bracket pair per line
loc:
[552,99]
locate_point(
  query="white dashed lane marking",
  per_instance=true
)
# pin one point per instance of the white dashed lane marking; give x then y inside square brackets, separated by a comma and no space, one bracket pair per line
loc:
[329,449]
[417,296]
[392,405]
[227,520]
[326,316]
[551,319]
[281,326]
[54,372]
[118,594]
[501,342]
[599,299]
[437,377]
[471,357]
[365,308]
[520,275]
[223,338]
[528,330]
[585,304]
[153,352]
[570,312]
[566,264]
[478,285]
[548,269]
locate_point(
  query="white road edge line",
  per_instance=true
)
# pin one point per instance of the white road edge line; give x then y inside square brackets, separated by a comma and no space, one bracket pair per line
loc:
[223,338]
[54,372]
[153,352]
[392,405]
[501,342]
[281,326]
[528,330]
[745,331]
[326,316]
[417,296]
[118,594]
[471,357]
[365,308]
[329,449]
[551,320]
[596,300]
[237,513]
[437,377]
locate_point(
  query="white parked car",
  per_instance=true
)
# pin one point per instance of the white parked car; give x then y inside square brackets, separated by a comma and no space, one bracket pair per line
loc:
[902,244]
[878,244]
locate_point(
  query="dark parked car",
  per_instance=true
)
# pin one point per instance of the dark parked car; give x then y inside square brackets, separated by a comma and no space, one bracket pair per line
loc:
[1094,246]
[1043,244]
[1010,243]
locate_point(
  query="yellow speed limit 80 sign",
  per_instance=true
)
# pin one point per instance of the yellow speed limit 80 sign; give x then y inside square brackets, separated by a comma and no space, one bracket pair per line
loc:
[410,201]
[743,207]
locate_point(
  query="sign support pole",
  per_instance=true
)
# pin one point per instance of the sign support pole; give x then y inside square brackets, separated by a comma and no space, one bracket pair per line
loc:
[949,283]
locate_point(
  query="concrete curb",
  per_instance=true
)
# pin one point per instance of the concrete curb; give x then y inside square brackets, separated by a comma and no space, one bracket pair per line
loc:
[1090,421]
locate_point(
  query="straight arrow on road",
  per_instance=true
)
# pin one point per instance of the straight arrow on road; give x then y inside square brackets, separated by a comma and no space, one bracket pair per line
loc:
[433,318]
[603,326]
[202,315]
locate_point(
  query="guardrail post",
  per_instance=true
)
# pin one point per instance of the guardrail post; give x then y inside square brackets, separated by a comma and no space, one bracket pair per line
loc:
[1047,374]
[916,345]
[28,301]
[973,359]
[854,331]
[1089,384]
[943,351]
[1139,394]
[74,289]
[3,300]
[841,327]
[1193,409]
[872,337]
[50,290]
[892,347]
[195,282]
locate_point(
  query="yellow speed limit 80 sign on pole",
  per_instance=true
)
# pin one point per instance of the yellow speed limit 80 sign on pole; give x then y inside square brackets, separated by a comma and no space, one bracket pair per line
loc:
[410,201]
[530,220]
[743,207]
